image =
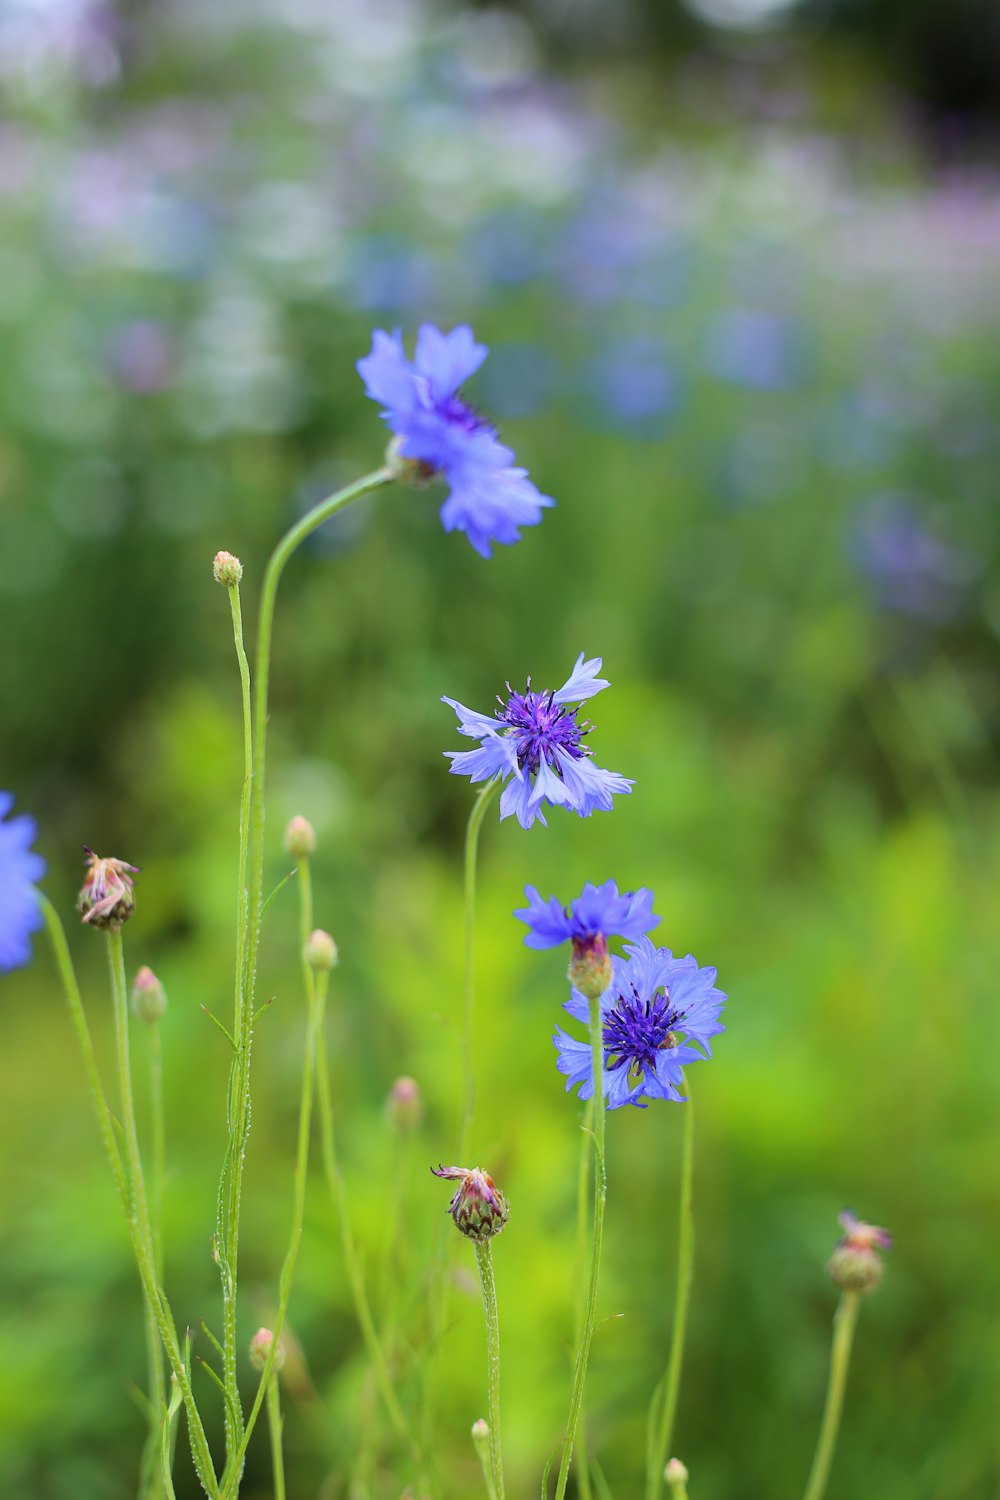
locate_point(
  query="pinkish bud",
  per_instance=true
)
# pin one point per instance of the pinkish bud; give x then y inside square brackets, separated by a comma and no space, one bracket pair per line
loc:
[107,897]
[260,1348]
[405,1106]
[675,1473]
[300,838]
[590,967]
[321,950]
[149,998]
[855,1265]
[478,1206]
[227,569]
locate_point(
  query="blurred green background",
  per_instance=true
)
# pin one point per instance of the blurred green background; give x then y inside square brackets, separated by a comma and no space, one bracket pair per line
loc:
[740,277]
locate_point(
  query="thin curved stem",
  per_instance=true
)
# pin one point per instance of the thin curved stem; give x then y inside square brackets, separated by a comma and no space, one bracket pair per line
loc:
[479,809]
[682,1294]
[105,1123]
[600,1195]
[844,1323]
[275,1425]
[484,1258]
[239,1103]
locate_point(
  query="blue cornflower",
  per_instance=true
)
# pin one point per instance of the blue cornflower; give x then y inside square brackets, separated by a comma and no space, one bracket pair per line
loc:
[599,911]
[535,739]
[658,1015]
[441,433]
[19,869]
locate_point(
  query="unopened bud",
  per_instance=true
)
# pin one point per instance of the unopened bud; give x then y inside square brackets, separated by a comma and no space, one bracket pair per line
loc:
[590,967]
[260,1348]
[107,897]
[149,998]
[321,950]
[855,1265]
[480,1431]
[300,838]
[227,569]
[405,1106]
[675,1473]
[481,1443]
[478,1206]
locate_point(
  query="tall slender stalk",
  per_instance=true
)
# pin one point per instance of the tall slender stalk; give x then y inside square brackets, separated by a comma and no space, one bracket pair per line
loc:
[582,1225]
[275,1426]
[685,1264]
[140,1249]
[844,1323]
[248,944]
[479,808]
[600,1195]
[484,1258]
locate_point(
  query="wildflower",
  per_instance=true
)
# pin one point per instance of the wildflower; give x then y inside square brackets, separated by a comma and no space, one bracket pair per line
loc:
[438,432]
[658,1014]
[19,869]
[588,921]
[478,1206]
[149,998]
[536,735]
[107,898]
[855,1265]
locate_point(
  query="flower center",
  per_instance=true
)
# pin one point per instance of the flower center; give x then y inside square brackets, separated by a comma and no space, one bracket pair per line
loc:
[460,414]
[636,1030]
[542,727]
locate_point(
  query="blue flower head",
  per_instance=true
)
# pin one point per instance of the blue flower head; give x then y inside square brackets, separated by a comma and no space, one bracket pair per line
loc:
[19,869]
[658,1014]
[600,910]
[440,433]
[534,738]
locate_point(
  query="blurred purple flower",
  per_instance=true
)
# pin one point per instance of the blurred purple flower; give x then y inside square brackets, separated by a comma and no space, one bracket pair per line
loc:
[910,570]
[139,357]
[442,434]
[633,386]
[763,351]
[19,869]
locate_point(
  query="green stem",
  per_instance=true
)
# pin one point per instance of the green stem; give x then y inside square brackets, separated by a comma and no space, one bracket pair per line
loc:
[582,1223]
[682,1294]
[159,1133]
[140,1204]
[844,1322]
[352,1264]
[479,808]
[484,1257]
[600,1195]
[239,1114]
[274,1426]
[105,1123]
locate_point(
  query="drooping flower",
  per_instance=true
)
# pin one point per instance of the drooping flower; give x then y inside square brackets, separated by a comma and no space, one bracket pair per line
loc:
[658,1014]
[535,739]
[107,896]
[440,433]
[20,867]
[478,1207]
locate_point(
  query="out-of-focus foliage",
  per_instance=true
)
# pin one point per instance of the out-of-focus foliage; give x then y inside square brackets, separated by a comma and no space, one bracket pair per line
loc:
[756,363]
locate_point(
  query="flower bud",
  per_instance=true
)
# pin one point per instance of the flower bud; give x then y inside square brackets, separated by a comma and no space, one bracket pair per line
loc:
[478,1206]
[149,998]
[481,1443]
[227,569]
[855,1265]
[300,838]
[404,1106]
[590,967]
[321,950]
[107,897]
[675,1473]
[260,1348]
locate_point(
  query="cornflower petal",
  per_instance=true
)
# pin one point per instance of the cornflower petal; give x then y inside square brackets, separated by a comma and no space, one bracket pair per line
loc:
[582,682]
[20,868]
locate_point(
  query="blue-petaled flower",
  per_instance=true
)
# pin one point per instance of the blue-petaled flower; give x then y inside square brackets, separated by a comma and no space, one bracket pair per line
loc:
[658,1014]
[440,433]
[20,867]
[536,739]
[599,910]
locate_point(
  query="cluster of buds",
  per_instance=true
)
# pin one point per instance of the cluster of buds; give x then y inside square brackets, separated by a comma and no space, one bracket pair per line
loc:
[478,1207]
[107,897]
[260,1349]
[855,1265]
[590,967]
[149,998]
